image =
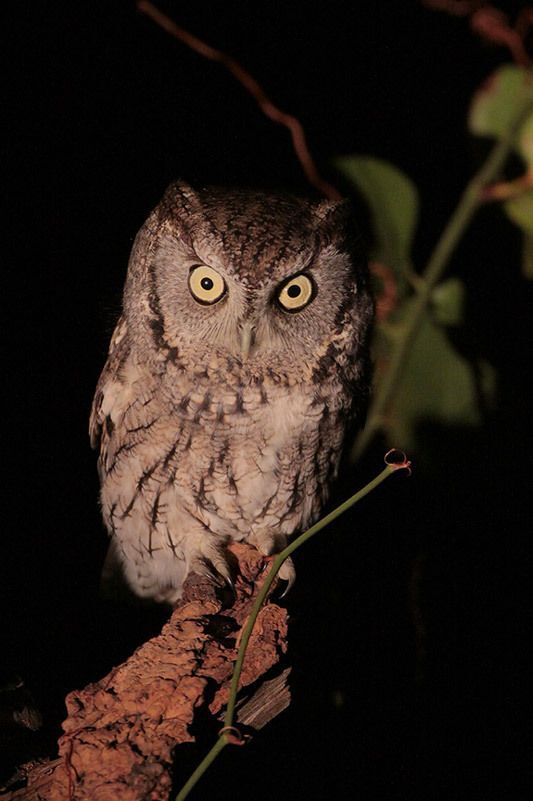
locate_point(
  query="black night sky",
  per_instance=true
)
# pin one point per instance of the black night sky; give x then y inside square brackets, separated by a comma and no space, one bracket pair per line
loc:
[103,110]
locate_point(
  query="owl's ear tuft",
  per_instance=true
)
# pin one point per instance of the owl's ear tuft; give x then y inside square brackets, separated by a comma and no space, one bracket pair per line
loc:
[336,217]
[180,194]
[337,224]
[179,202]
[334,210]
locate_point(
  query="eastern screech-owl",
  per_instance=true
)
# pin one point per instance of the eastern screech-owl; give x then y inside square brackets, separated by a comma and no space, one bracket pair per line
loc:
[239,359]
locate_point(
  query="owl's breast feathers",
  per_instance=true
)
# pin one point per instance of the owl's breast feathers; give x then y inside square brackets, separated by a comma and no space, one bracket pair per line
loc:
[237,453]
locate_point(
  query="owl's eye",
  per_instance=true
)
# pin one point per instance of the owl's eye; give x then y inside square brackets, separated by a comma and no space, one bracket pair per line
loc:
[206,285]
[296,293]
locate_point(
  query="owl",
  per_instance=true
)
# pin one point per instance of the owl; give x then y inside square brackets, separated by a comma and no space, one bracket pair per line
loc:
[240,358]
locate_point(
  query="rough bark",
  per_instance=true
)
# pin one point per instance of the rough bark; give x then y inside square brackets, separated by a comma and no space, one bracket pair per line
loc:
[121,732]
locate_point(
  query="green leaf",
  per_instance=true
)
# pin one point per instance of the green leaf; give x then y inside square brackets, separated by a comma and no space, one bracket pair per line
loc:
[495,104]
[393,202]
[448,302]
[520,210]
[438,386]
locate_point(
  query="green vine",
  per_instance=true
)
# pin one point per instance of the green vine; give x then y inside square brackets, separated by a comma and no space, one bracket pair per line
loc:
[227,735]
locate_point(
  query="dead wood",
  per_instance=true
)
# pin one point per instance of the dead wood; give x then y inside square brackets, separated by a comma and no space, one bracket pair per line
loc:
[121,732]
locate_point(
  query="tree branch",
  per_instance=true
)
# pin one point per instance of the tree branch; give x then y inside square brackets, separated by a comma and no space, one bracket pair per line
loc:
[121,732]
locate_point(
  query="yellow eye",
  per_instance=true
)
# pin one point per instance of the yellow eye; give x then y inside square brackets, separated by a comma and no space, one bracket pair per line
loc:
[296,293]
[206,285]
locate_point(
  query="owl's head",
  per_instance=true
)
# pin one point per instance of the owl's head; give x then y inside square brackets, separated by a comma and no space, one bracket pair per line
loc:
[261,278]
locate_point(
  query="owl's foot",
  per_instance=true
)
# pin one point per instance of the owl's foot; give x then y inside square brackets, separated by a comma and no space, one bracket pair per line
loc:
[269,544]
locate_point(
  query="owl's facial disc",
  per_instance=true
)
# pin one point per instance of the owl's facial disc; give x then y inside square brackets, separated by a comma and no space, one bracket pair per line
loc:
[248,320]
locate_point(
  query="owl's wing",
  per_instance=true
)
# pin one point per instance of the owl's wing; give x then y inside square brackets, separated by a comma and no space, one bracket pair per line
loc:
[108,398]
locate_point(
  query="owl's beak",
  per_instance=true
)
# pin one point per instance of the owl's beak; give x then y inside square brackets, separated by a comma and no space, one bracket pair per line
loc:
[247,338]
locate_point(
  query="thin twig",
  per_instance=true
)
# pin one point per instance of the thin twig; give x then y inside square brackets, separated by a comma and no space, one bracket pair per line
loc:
[253,88]
[472,198]
[491,24]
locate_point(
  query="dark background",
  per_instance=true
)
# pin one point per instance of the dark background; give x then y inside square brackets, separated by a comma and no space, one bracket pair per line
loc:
[410,620]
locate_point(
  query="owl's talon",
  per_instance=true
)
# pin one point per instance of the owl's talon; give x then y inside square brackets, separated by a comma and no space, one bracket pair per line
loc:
[286,591]
[287,573]
[267,564]
[222,571]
